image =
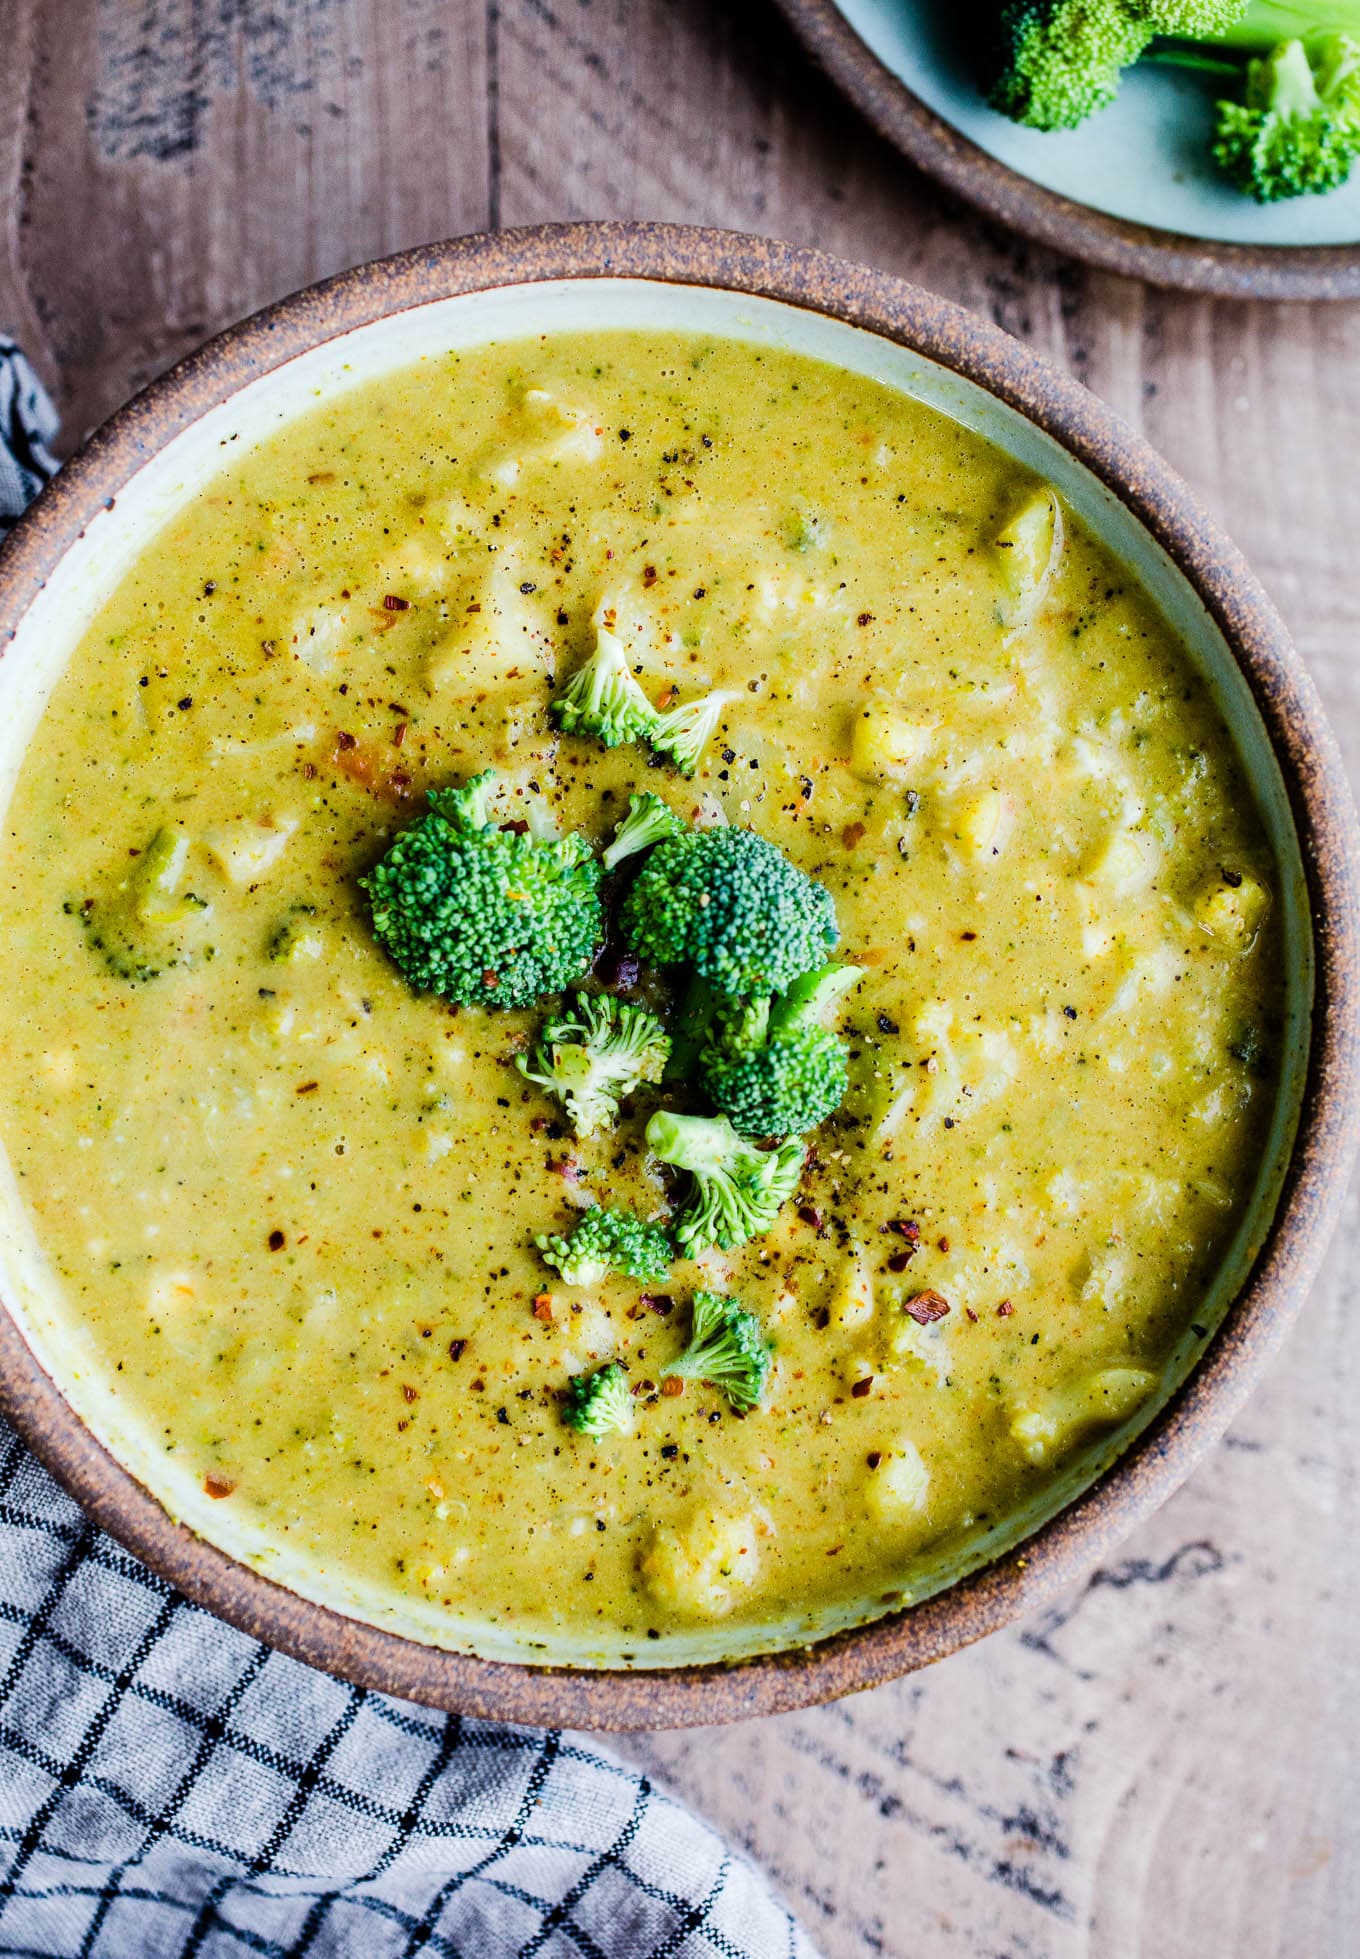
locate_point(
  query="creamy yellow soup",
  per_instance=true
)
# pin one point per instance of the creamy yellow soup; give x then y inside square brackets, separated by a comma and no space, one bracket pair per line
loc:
[289,1206]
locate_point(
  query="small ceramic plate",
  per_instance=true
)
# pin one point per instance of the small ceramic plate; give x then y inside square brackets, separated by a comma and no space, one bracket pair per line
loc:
[1133,189]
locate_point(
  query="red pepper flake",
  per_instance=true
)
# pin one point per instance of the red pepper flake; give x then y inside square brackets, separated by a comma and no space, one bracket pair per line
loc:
[309,771]
[811,1215]
[648,575]
[1004,1310]
[457,1348]
[944,1244]
[490,979]
[517,827]
[971,1314]
[861,1388]
[568,1168]
[658,1302]
[307,1088]
[342,740]
[927,1307]
[408,1393]
[393,604]
[276,1241]
[218,1486]
[864,618]
[835,1550]
[967,937]
[672,1385]
[874,1458]
[478,1385]
[543,1307]
[821,1319]
[909,1229]
[399,734]
[643,1387]
[852,835]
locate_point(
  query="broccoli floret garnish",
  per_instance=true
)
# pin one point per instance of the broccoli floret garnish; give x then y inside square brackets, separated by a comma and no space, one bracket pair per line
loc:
[604,699]
[728,1349]
[738,1189]
[683,731]
[1297,130]
[599,1403]
[773,1071]
[1052,63]
[143,928]
[608,1241]
[596,1055]
[295,936]
[649,821]
[732,906]
[481,915]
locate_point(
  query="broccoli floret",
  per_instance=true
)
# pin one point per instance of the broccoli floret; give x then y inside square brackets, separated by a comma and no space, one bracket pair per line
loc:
[608,1241]
[596,1055]
[731,905]
[738,1189]
[1297,129]
[479,914]
[295,936]
[727,1348]
[144,926]
[604,698]
[649,821]
[774,1072]
[599,1403]
[683,731]
[1052,63]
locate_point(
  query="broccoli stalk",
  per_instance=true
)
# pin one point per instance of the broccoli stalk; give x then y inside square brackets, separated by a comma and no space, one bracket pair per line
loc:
[683,731]
[649,821]
[774,1071]
[728,1349]
[607,1241]
[604,699]
[480,914]
[732,906]
[599,1403]
[737,1188]
[144,926]
[595,1056]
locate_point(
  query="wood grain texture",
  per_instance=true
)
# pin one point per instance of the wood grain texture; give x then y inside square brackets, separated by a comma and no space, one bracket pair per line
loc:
[1165,1766]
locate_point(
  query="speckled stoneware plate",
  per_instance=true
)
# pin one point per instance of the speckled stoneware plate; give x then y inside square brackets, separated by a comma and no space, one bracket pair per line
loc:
[87,528]
[1134,189]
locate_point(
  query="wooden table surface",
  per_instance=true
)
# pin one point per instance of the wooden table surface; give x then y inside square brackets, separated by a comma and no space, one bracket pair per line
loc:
[1166,1765]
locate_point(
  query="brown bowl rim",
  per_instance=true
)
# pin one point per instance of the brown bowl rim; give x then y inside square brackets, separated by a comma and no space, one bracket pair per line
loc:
[1158,1460]
[1164,258]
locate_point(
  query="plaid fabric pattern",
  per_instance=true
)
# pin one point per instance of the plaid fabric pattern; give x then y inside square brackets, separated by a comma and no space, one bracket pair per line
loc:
[28,423]
[171,1789]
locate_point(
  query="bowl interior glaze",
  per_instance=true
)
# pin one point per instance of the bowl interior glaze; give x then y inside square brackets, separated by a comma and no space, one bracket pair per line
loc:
[165,450]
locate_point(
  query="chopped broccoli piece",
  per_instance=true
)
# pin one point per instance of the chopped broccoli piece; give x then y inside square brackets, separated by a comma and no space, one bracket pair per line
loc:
[608,1241]
[648,822]
[599,1403]
[727,1348]
[1297,130]
[775,1072]
[738,1189]
[731,905]
[295,936]
[604,699]
[596,1055]
[144,927]
[479,914]
[683,731]
[1052,63]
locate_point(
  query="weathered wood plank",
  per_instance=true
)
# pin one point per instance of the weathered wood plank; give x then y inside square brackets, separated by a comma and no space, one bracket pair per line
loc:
[1165,1765]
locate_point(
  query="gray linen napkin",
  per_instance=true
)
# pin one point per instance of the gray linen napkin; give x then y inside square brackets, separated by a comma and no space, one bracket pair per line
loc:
[171,1789]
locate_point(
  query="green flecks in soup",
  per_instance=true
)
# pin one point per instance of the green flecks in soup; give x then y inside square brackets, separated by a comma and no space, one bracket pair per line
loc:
[294,1204]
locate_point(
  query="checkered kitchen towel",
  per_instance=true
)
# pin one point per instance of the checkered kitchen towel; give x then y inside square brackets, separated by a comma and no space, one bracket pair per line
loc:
[168,1787]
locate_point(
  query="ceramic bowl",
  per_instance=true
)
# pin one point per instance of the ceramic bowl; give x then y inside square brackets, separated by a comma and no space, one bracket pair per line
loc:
[93,521]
